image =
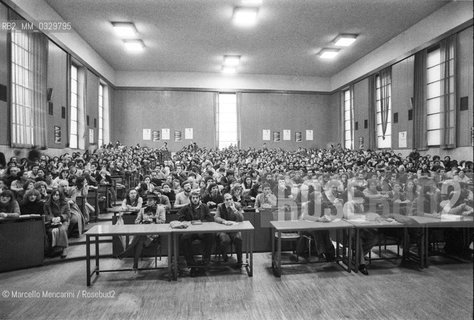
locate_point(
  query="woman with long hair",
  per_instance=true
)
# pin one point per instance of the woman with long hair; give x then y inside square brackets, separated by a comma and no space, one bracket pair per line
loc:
[31,203]
[58,215]
[9,207]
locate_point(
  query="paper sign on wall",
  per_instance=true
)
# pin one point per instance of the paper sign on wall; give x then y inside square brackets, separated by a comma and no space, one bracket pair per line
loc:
[286,134]
[91,136]
[57,134]
[165,134]
[146,134]
[276,136]
[309,135]
[188,133]
[298,136]
[266,135]
[402,139]
[155,135]
[177,136]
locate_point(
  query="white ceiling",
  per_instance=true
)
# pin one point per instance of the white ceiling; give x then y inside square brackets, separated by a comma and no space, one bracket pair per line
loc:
[193,35]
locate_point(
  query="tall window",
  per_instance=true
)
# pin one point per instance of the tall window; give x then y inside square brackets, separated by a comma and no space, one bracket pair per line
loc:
[28,102]
[227,120]
[101,115]
[383,103]
[435,68]
[348,116]
[74,127]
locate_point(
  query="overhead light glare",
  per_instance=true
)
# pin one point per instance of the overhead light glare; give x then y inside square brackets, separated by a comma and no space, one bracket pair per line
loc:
[134,46]
[345,40]
[245,16]
[229,70]
[231,61]
[328,53]
[125,30]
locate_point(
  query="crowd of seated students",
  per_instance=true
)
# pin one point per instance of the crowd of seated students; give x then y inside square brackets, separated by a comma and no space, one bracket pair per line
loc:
[255,178]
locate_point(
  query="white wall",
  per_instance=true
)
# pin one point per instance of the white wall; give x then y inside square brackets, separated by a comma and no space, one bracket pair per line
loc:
[39,10]
[408,42]
[220,81]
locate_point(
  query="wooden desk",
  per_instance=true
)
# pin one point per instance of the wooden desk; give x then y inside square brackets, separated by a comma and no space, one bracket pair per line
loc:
[380,223]
[303,225]
[213,227]
[428,222]
[123,230]
[22,244]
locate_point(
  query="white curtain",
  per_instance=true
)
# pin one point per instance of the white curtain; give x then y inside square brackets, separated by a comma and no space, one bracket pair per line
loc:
[29,80]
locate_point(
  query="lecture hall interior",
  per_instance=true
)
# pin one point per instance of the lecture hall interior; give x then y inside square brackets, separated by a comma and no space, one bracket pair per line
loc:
[236,159]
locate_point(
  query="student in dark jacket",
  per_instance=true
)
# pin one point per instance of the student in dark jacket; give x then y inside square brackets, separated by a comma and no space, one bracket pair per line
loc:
[196,210]
[226,213]
[32,203]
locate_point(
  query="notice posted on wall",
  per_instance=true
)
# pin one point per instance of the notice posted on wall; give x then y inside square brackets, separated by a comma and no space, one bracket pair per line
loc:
[165,134]
[286,134]
[177,136]
[155,135]
[188,133]
[276,136]
[146,134]
[309,135]
[402,139]
[298,136]
[266,135]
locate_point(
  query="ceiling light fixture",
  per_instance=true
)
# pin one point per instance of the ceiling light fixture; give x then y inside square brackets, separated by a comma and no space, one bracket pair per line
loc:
[229,70]
[134,46]
[245,16]
[345,40]
[328,53]
[125,30]
[231,61]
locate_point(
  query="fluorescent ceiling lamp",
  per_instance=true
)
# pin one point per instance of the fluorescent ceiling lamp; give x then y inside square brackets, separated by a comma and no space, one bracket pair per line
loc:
[328,53]
[345,40]
[231,61]
[134,45]
[251,2]
[229,70]
[125,30]
[245,17]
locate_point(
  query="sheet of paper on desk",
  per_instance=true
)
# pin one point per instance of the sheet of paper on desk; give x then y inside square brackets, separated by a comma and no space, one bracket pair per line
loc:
[451,217]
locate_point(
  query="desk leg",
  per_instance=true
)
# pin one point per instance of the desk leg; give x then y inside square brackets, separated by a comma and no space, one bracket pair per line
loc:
[88,260]
[97,255]
[357,251]
[273,250]
[349,248]
[279,255]
[427,244]
[176,255]
[251,253]
[170,255]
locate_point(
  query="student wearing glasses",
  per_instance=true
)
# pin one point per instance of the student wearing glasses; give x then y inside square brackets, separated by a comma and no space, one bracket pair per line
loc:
[226,213]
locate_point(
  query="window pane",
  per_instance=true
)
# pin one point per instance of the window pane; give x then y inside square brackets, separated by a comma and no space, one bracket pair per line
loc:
[384,143]
[433,121]
[434,138]
[73,127]
[348,135]
[433,105]
[226,114]
[73,114]
[433,58]
[434,74]
[433,89]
